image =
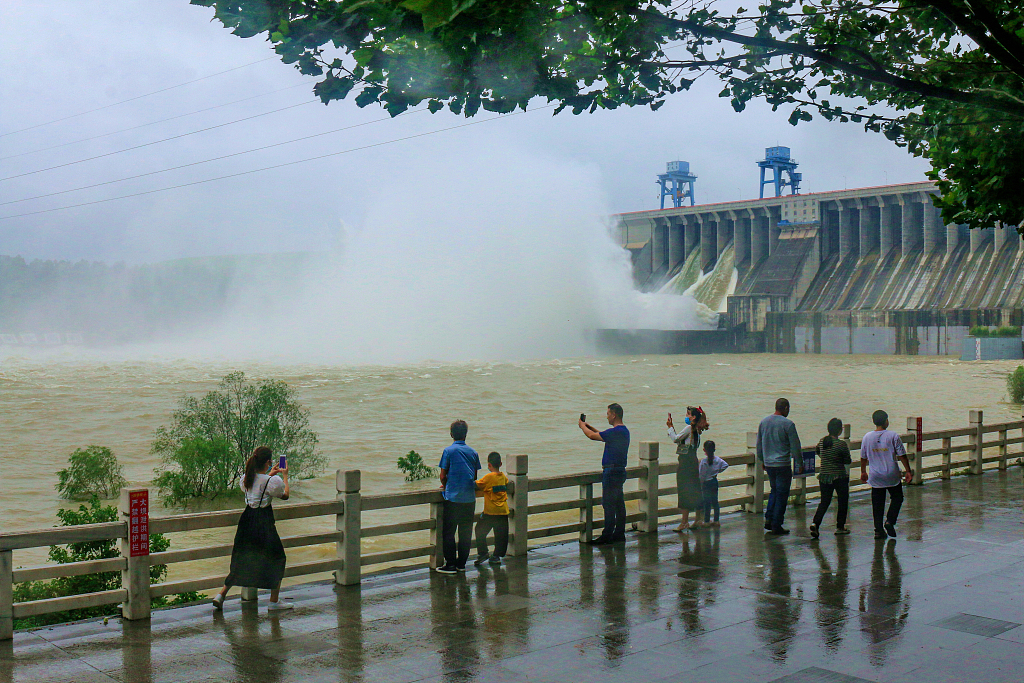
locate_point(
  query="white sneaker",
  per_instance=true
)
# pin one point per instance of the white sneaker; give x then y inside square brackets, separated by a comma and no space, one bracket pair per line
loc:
[279,606]
[218,602]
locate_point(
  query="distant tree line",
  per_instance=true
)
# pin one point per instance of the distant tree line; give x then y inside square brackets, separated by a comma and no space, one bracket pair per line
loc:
[120,302]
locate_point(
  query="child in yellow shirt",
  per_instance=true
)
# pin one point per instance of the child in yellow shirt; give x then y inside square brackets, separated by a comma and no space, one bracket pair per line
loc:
[494,486]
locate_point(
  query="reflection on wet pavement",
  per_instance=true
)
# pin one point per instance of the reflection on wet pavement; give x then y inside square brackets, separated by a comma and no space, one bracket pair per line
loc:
[942,603]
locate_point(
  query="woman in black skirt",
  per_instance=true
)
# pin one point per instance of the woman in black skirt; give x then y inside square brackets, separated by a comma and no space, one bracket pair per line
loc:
[688,491]
[257,558]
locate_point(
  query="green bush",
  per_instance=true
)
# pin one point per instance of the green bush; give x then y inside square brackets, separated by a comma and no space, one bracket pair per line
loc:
[1015,385]
[92,471]
[90,583]
[197,469]
[980,331]
[243,415]
[414,468]
[1006,331]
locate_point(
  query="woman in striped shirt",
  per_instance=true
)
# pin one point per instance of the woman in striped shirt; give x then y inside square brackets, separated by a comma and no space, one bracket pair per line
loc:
[833,457]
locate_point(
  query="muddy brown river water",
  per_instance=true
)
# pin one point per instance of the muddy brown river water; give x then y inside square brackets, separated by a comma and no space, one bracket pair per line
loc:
[367,417]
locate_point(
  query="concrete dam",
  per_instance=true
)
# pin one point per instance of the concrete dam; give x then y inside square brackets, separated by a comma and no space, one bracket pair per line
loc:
[871,270]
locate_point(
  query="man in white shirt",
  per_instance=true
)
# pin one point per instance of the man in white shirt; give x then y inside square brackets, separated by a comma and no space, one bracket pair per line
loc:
[882,450]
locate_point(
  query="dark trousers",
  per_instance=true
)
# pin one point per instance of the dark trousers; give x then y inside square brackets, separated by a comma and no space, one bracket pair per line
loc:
[841,487]
[612,479]
[458,517]
[500,525]
[780,479]
[878,505]
[709,491]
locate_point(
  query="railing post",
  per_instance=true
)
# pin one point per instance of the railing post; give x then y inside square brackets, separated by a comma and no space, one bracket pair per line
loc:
[349,523]
[977,423]
[586,513]
[135,575]
[519,501]
[6,595]
[649,485]
[947,457]
[437,534]
[1002,450]
[755,489]
[914,448]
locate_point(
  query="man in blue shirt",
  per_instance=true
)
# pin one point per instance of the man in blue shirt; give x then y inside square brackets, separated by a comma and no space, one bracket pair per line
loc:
[459,466]
[613,474]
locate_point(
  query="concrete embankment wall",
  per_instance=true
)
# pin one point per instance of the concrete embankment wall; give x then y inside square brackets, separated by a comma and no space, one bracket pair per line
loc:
[849,257]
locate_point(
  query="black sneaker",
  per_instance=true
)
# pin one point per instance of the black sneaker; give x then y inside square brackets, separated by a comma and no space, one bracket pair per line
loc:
[890,529]
[843,531]
[767,526]
[880,536]
[780,531]
[445,570]
[480,560]
[600,540]
[460,569]
[494,561]
[814,531]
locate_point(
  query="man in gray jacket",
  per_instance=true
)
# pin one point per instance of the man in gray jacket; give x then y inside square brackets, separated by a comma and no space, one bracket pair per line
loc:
[778,450]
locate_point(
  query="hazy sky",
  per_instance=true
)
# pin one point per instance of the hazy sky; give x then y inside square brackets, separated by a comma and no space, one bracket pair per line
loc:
[64,57]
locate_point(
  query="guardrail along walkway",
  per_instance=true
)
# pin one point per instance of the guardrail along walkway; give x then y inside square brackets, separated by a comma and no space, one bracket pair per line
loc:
[943,603]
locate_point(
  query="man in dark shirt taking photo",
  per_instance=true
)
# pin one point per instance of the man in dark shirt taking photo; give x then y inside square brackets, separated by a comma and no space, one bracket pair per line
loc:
[613,474]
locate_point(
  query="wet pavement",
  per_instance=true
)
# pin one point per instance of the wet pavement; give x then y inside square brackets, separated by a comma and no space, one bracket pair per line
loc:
[944,602]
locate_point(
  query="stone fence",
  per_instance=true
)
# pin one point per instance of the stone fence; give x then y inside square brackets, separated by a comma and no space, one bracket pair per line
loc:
[954,448]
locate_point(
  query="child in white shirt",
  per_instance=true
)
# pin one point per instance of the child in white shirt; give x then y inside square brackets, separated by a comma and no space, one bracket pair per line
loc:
[710,467]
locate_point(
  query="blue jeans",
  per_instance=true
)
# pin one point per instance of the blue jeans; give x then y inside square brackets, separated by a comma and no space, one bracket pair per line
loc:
[709,491]
[612,480]
[780,479]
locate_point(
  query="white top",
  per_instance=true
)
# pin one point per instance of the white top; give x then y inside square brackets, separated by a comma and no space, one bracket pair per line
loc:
[682,436]
[882,448]
[275,489]
[709,470]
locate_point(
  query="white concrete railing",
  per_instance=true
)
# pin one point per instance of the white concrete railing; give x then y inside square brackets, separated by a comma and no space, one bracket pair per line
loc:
[136,592]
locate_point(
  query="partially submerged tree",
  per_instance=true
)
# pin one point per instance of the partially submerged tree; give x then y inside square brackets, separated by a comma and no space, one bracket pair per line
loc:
[92,471]
[943,77]
[205,448]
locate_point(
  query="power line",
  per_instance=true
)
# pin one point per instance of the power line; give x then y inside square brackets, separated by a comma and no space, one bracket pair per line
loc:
[206,161]
[275,166]
[153,123]
[155,142]
[132,99]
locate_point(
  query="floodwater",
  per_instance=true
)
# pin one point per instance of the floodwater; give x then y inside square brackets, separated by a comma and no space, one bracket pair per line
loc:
[367,417]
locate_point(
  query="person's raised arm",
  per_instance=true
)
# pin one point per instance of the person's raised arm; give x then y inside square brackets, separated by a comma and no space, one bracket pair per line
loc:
[590,432]
[283,474]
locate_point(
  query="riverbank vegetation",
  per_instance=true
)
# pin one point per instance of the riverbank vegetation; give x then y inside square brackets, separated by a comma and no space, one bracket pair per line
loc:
[203,451]
[93,513]
[1015,385]
[413,467]
[91,472]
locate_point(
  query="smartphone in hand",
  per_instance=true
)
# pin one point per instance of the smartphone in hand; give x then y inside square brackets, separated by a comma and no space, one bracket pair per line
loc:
[281,464]
[583,417]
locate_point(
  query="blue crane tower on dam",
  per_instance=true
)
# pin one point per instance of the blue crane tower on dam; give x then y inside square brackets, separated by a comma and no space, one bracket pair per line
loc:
[677,183]
[777,159]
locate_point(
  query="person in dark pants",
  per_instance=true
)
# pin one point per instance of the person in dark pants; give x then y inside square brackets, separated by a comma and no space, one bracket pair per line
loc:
[613,474]
[881,451]
[778,450]
[459,465]
[833,457]
[494,487]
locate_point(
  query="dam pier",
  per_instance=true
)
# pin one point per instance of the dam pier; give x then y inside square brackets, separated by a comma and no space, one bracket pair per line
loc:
[871,270]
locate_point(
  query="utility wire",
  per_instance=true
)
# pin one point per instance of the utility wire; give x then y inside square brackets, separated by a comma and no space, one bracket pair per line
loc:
[153,123]
[132,99]
[156,142]
[268,168]
[206,161]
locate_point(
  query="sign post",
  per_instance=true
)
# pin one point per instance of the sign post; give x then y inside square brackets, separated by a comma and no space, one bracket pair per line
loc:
[134,508]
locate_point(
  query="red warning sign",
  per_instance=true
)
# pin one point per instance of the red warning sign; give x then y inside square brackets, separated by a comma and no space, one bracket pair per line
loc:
[138,523]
